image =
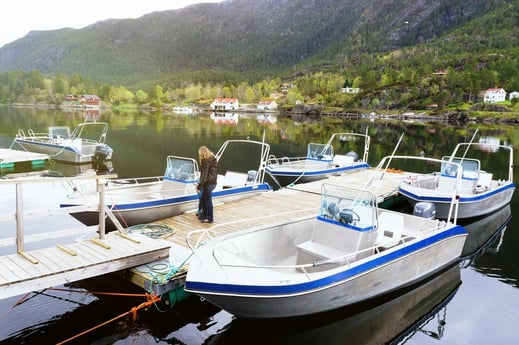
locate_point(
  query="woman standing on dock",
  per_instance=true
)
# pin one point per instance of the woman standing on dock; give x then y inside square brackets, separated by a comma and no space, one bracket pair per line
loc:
[207,183]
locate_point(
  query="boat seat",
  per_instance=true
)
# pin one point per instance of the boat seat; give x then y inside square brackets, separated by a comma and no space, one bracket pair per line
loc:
[234,179]
[390,226]
[342,160]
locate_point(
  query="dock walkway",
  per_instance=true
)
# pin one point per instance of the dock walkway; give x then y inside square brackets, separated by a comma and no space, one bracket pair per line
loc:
[55,264]
[298,201]
[16,160]
[40,269]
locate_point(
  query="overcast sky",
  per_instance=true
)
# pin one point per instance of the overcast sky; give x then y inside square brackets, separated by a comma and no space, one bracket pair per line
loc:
[18,17]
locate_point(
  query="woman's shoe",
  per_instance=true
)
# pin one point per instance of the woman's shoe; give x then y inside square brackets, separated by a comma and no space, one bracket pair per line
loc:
[205,220]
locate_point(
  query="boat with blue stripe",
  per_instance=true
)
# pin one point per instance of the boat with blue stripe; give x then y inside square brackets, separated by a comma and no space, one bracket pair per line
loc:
[321,161]
[148,199]
[351,252]
[478,192]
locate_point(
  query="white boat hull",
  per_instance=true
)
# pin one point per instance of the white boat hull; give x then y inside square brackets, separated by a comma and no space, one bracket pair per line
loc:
[76,147]
[62,153]
[339,294]
[268,272]
[469,205]
[286,175]
[143,211]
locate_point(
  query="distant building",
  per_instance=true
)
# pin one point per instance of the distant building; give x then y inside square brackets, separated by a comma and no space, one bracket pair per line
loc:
[513,95]
[267,105]
[494,95]
[89,101]
[82,101]
[71,98]
[224,104]
[350,90]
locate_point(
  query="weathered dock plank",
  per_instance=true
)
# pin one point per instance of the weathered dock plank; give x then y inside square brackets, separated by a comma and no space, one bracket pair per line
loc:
[56,266]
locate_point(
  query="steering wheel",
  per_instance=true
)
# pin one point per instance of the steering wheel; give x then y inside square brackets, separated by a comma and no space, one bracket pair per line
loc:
[348,216]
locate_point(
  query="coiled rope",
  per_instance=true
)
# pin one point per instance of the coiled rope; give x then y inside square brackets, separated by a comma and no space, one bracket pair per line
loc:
[155,231]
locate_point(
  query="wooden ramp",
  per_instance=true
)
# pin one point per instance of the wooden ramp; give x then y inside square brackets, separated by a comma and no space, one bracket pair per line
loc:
[44,268]
[299,201]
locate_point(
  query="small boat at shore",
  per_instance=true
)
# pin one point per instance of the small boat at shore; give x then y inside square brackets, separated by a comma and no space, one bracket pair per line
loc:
[85,144]
[148,199]
[478,192]
[321,161]
[351,252]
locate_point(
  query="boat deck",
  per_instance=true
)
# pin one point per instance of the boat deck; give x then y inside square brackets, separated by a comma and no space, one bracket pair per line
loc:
[302,200]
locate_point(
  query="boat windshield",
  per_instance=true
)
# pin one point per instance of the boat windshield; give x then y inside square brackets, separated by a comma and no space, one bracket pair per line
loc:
[348,205]
[181,168]
[319,151]
[469,167]
[62,132]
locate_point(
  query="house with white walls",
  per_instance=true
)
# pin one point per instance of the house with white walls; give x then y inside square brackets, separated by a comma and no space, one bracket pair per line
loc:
[494,95]
[513,94]
[224,104]
[267,104]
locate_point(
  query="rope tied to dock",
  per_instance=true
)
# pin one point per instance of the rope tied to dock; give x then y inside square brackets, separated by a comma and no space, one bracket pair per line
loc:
[155,231]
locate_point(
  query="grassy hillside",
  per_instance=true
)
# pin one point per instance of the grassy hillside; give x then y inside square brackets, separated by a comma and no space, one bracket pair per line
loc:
[252,39]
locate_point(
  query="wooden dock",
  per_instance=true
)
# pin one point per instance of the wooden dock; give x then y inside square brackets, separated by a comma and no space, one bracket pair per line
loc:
[301,200]
[16,163]
[40,269]
[9,156]
[26,271]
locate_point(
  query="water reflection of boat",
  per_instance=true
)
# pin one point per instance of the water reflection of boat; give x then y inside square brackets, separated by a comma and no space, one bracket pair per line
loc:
[63,169]
[379,322]
[484,228]
[183,110]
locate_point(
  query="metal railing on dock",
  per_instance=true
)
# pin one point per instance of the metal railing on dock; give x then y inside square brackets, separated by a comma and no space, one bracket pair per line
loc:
[53,264]
[20,214]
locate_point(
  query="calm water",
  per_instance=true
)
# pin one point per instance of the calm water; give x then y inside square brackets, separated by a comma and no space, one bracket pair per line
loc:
[473,303]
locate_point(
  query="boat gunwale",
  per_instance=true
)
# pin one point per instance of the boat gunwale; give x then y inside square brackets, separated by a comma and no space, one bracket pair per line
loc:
[363,267]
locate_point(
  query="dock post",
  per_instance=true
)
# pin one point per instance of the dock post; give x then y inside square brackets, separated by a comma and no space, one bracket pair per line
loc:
[101,190]
[19,218]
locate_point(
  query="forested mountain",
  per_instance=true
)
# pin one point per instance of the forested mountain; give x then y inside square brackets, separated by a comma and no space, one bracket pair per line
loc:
[247,39]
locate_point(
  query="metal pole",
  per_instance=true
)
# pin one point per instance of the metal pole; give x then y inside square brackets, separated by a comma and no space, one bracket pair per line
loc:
[101,190]
[19,218]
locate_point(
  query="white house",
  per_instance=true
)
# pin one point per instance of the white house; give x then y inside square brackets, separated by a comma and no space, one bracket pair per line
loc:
[512,95]
[493,95]
[224,104]
[267,105]
[350,90]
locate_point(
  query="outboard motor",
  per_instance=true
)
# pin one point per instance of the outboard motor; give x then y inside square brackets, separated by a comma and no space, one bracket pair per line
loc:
[424,210]
[251,176]
[353,154]
[102,153]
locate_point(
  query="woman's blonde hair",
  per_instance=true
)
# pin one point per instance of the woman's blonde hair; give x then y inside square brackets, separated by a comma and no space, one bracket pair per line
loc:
[204,152]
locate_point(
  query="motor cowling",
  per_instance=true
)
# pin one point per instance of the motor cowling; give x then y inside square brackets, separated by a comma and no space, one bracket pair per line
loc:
[102,153]
[425,210]
[353,154]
